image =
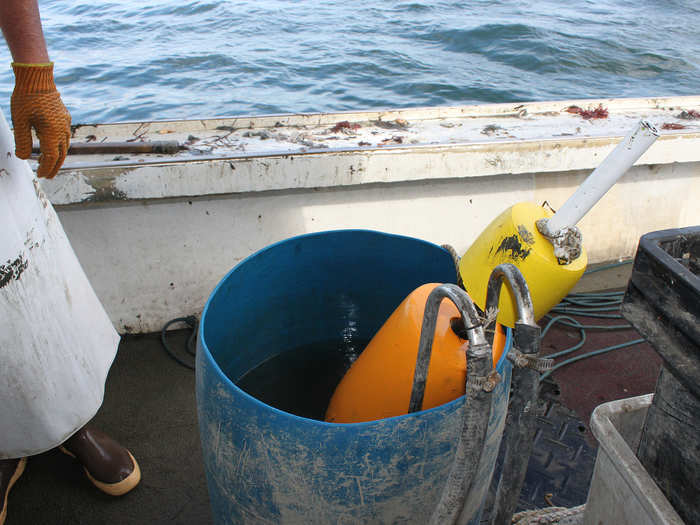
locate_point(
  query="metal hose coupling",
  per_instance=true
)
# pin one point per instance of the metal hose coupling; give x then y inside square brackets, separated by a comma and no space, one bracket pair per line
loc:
[510,274]
[526,335]
[479,349]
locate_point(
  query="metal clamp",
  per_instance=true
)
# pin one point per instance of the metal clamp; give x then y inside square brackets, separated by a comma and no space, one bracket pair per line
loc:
[521,360]
[485,383]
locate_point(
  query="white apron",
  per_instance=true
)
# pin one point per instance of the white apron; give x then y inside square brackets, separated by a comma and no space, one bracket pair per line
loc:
[56,341]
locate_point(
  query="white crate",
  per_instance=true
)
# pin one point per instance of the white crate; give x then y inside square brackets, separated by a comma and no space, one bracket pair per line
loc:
[622,492]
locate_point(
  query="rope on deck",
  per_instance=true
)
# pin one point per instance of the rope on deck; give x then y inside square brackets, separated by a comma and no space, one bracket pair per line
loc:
[551,516]
[455,259]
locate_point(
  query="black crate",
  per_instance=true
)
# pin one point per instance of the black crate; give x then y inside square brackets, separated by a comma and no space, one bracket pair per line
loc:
[663,303]
[663,299]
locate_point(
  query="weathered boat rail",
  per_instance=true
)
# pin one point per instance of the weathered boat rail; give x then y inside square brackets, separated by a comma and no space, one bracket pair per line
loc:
[156,231]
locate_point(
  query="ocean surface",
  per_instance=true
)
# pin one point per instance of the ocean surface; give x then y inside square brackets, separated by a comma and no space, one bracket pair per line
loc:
[164,59]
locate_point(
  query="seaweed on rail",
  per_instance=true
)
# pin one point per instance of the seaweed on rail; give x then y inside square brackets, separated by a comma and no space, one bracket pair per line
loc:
[586,114]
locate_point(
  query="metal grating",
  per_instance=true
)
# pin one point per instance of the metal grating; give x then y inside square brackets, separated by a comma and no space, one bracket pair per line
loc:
[561,464]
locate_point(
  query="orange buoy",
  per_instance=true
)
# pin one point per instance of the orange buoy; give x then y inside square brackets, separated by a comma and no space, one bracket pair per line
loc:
[379,383]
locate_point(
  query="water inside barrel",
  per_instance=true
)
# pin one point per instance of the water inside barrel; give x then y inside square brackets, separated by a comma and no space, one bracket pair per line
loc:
[301,381]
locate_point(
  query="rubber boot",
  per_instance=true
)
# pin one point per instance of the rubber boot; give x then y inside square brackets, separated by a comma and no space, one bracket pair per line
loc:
[108,465]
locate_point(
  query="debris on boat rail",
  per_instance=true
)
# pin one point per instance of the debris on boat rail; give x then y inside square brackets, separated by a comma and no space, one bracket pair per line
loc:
[414,127]
[586,114]
[398,123]
[689,115]
[345,127]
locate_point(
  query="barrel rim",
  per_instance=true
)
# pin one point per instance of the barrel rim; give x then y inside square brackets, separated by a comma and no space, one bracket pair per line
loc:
[204,348]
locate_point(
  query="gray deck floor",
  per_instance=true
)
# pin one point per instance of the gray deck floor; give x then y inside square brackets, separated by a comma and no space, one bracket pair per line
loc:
[150,408]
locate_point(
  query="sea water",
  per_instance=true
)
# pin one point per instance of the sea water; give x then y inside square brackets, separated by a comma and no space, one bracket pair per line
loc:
[164,59]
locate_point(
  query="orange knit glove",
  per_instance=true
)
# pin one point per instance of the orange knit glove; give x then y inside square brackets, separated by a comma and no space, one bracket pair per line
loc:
[36,104]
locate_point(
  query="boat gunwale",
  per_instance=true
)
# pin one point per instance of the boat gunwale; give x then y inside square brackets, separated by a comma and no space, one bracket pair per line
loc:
[492,110]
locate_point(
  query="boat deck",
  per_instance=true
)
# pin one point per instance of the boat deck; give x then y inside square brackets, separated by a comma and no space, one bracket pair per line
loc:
[150,406]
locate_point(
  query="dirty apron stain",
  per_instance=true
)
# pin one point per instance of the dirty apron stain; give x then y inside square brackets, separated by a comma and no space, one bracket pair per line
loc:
[56,341]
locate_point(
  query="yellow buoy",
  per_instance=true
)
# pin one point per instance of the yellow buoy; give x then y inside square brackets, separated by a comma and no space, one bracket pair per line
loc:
[513,238]
[379,383]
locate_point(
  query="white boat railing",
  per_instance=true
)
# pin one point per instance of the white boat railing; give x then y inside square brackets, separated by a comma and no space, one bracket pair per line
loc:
[156,232]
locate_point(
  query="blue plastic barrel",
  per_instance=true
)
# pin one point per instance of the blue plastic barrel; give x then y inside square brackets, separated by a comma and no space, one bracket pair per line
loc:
[264,465]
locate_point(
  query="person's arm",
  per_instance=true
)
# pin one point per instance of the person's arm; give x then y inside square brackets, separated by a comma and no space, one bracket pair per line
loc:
[21,27]
[35,101]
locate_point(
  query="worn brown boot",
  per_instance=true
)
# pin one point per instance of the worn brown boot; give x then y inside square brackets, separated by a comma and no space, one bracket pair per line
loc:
[10,471]
[108,465]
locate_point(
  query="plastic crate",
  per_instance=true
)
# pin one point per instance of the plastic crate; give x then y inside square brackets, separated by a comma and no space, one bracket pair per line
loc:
[622,492]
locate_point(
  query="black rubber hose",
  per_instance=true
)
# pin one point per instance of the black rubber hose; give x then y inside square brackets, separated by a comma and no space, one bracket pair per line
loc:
[470,319]
[476,409]
[193,324]
[476,413]
[521,425]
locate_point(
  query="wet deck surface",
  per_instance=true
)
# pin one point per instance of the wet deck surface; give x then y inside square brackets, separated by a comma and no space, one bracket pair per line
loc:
[150,407]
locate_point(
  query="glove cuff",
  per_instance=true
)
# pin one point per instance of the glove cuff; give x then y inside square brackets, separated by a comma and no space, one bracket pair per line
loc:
[33,78]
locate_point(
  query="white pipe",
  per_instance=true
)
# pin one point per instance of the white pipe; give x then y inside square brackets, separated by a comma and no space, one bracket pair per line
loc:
[604,176]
